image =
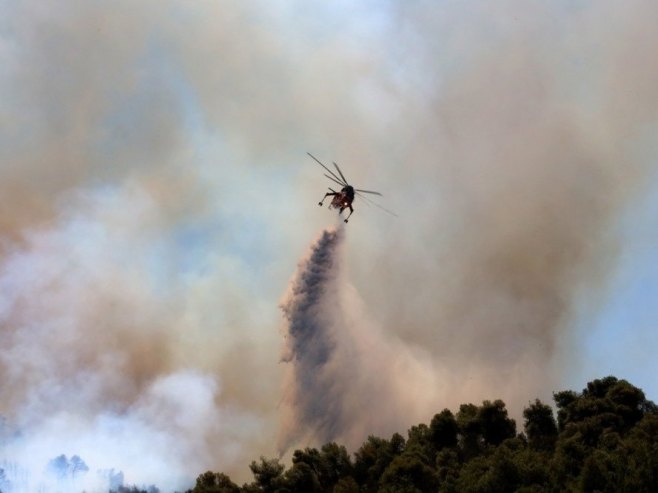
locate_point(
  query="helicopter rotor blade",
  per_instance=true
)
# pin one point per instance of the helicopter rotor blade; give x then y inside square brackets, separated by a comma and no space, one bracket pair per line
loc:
[340,173]
[368,201]
[330,172]
[368,191]
[333,179]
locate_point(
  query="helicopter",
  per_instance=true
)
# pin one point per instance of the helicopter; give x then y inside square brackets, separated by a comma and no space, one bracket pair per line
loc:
[343,200]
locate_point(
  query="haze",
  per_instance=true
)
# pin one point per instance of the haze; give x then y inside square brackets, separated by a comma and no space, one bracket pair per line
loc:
[157,199]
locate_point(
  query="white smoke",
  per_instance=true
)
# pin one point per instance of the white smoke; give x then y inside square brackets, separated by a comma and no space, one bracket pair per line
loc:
[156,194]
[93,365]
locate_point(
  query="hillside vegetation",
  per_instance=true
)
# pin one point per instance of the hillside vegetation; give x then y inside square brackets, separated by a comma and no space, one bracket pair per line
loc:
[604,439]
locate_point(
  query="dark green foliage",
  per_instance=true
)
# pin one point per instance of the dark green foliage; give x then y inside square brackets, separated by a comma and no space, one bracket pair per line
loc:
[419,444]
[448,467]
[483,427]
[563,401]
[601,472]
[302,477]
[372,459]
[408,473]
[484,474]
[540,426]
[605,403]
[336,464]
[641,449]
[605,440]
[268,475]
[568,458]
[215,482]
[595,446]
[443,430]
[512,466]
[469,430]
[346,485]
[412,469]
[314,470]
[494,423]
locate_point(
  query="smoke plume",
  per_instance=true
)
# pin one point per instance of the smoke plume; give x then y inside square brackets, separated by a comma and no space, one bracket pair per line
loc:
[526,155]
[92,366]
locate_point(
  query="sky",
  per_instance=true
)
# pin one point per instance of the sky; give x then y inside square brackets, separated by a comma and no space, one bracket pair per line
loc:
[157,206]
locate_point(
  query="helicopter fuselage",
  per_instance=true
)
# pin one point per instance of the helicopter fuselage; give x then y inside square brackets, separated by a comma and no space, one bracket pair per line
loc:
[343,199]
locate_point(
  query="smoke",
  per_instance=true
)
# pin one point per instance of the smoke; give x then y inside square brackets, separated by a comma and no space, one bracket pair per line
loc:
[93,363]
[156,195]
[157,439]
[344,378]
[531,143]
[314,315]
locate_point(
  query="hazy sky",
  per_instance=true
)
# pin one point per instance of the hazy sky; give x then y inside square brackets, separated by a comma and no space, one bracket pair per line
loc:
[156,199]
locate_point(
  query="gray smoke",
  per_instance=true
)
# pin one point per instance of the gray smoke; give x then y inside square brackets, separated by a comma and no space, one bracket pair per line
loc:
[155,195]
[344,378]
[314,318]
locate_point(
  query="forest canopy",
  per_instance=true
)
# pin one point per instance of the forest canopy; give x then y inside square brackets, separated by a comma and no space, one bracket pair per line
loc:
[604,439]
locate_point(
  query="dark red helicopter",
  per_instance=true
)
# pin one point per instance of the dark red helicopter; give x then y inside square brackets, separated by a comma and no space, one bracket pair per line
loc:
[343,200]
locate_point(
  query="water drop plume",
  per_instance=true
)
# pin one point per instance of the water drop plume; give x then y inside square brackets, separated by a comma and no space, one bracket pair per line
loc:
[344,378]
[310,341]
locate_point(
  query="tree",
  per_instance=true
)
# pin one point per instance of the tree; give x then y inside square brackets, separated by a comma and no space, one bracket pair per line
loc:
[420,445]
[113,478]
[315,470]
[540,426]
[77,466]
[494,423]
[215,482]
[600,473]
[511,466]
[61,467]
[135,489]
[443,430]
[606,403]
[407,473]
[448,467]
[564,401]
[268,474]
[605,440]
[346,485]
[629,402]
[335,464]
[641,456]
[568,458]
[469,430]
[301,477]
[372,459]
[484,425]
[324,467]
